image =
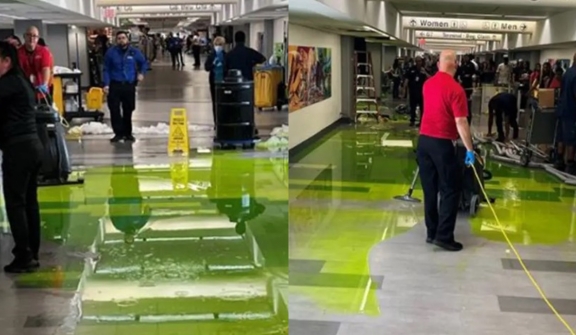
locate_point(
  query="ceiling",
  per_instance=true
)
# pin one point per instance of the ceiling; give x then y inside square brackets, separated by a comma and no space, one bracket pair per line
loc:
[15,10]
[493,9]
[527,10]
[315,15]
[272,12]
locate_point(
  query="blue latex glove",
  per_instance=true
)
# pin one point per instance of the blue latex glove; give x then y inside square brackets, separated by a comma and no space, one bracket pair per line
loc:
[43,89]
[470,158]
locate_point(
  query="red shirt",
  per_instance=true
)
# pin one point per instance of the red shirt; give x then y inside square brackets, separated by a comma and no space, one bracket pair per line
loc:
[444,100]
[555,83]
[33,62]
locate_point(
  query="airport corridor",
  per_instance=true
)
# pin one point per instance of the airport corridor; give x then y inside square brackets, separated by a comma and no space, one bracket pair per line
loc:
[359,263]
[151,244]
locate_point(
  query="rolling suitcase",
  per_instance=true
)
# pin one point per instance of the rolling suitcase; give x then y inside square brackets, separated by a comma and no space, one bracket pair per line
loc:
[56,166]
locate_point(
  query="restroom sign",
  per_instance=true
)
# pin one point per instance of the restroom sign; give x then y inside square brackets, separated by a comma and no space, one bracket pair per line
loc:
[468,25]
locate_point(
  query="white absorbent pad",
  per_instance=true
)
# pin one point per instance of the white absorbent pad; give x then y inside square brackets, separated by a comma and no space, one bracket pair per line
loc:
[278,140]
[161,128]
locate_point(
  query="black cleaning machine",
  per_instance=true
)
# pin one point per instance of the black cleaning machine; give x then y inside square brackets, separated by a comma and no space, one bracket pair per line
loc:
[56,166]
[235,112]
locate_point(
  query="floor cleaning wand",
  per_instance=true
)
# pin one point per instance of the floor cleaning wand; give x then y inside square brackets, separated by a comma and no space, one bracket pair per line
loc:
[408,196]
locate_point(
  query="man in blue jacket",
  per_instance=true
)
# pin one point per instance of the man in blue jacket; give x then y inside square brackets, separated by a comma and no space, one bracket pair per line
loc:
[124,67]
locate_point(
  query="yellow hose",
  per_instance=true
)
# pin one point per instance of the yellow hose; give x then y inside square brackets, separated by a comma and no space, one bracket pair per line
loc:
[519,258]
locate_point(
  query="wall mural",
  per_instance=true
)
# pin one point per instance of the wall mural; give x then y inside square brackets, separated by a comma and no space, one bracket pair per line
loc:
[310,76]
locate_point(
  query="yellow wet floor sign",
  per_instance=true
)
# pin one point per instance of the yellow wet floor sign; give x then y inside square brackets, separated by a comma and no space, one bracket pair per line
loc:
[179,174]
[178,142]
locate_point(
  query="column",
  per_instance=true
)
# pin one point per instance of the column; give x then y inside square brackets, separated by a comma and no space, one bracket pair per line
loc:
[375,50]
[268,45]
[20,27]
[57,40]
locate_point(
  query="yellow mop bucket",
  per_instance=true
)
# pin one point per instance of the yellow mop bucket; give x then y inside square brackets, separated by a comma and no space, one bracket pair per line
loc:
[95,99]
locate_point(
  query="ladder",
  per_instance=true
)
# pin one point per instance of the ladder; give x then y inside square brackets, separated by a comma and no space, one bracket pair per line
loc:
[365,90]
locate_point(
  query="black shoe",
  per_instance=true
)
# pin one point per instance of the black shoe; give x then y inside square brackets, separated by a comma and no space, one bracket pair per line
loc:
[429,240]
[116,139]
[129,138]
[18,266]
[450,246]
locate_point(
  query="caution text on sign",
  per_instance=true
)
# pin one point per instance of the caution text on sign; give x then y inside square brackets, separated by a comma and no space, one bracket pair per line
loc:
[178,142]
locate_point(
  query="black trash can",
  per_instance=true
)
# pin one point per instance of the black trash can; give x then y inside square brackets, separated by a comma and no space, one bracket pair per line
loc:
[235,110]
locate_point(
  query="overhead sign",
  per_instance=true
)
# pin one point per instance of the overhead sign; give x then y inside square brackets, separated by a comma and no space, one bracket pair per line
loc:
[449,35]
[430,23]
[469,42]
[166,9]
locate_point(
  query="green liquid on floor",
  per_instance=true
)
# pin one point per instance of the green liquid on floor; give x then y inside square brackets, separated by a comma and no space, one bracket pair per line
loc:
[190,247]
[341,206]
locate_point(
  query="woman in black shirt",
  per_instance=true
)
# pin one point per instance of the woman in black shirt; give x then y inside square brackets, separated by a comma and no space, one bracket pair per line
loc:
[21,150]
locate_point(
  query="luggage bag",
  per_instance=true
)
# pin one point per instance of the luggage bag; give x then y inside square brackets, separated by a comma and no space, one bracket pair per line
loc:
[56,165]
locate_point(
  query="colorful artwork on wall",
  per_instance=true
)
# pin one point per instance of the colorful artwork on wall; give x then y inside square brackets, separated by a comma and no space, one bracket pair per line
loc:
[310,76]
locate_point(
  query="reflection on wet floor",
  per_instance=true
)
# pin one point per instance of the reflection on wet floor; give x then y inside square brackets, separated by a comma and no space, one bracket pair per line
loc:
[341,206]
[194,246]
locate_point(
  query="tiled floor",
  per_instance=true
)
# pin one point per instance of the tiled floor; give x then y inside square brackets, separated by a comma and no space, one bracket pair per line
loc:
[359,264]
[150,245]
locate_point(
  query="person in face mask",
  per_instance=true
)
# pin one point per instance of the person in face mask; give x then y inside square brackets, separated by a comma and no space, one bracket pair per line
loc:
[215,64]
[124,67]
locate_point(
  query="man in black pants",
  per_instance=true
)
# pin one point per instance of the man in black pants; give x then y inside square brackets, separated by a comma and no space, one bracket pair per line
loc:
[124,67]
[196,48]
[415,78]
[440,172]
[504,106]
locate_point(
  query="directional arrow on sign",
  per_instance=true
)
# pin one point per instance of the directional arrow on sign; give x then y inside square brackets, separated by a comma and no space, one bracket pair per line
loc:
[413,23]
[523,26]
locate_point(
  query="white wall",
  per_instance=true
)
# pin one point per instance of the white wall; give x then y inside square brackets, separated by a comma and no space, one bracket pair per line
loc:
[255,28]
[389,54]
[310,120]
[78,52]
[546,54]
[57,40]
[279,29]
[560,28]
[380,14]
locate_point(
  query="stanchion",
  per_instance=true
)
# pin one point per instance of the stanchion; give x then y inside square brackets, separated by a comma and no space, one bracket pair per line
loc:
[408,196]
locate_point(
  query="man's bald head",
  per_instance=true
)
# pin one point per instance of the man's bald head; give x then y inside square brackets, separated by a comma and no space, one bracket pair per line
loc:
[31,38]
[32,30]
[447,62]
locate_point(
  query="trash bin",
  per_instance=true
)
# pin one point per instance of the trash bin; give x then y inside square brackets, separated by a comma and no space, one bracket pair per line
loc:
[235,110]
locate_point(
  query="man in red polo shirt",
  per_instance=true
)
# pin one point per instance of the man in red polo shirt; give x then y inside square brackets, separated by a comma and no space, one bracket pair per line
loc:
[36,61]
[445,120]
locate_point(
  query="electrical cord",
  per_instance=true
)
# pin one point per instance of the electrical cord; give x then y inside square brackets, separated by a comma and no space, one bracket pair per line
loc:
[519,258]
